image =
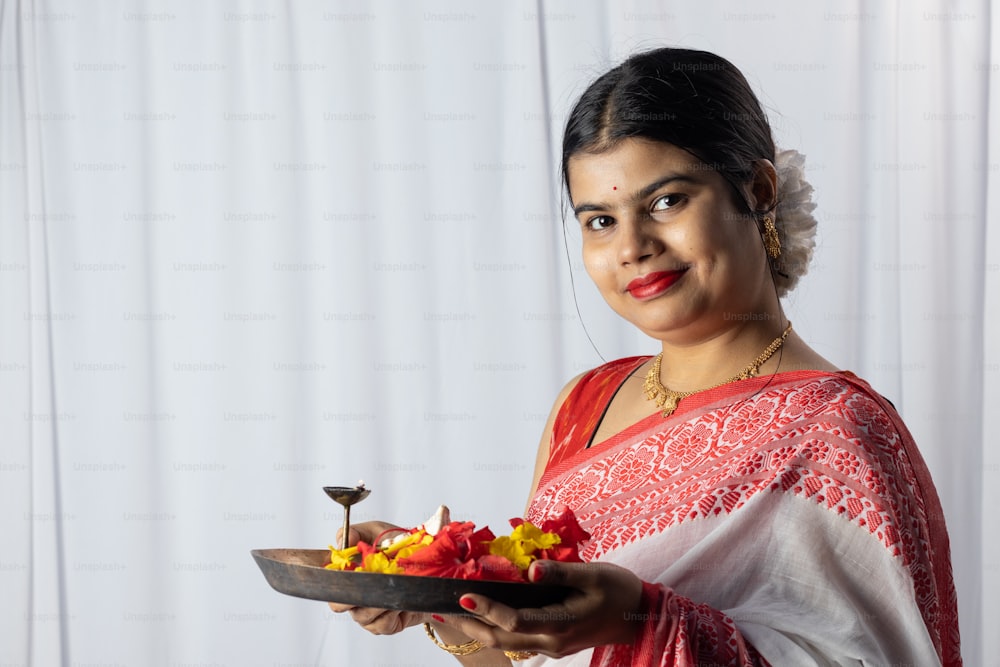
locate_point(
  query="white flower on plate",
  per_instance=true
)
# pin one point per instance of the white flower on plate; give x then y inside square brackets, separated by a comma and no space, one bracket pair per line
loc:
[441,517]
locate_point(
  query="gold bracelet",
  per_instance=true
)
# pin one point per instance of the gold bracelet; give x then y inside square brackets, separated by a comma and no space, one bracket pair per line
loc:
[472,646]
[468,648]
[520,655]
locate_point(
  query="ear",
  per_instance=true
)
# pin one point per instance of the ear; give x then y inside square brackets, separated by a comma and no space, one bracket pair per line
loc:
[762,190]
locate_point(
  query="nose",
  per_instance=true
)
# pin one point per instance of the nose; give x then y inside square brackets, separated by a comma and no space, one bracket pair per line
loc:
[636,243]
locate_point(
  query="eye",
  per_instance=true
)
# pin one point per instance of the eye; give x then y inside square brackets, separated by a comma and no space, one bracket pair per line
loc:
[665,202]
[598,222]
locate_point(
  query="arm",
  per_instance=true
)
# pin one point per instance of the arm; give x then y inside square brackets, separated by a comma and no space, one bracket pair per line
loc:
[626,618]
[608,589]
[820,544]
[448,633]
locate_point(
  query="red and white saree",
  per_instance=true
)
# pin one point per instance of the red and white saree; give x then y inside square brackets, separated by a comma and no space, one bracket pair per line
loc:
[782,520]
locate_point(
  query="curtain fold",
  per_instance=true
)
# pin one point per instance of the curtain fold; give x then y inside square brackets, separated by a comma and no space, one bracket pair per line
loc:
[34,520]
[988,70]
[250,250]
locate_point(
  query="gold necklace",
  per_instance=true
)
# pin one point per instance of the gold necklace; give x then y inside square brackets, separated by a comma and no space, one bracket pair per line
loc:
[667,399]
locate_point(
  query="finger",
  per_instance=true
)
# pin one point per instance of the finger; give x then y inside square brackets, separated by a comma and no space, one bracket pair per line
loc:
[367,531]
[574,575]
[490,611]
[386,624]
[392,622]
[365,616]
[338,608]
[353,537]
[552,620]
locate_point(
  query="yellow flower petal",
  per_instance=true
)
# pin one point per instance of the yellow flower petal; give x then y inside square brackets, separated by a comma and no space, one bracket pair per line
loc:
[408,550]
[409,544]
[533,537]
[342,559]
[379,562]
[513,550]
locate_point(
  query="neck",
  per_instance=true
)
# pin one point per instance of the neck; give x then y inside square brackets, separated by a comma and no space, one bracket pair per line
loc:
[692,366]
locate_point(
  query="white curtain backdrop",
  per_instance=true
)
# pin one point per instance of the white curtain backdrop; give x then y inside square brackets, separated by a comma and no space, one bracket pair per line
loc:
[251,249]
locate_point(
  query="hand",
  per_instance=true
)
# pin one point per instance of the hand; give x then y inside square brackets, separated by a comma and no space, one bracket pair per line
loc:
[375,621]
[381,621]
[604,609]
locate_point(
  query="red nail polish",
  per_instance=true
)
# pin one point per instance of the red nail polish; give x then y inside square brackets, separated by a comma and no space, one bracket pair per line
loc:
[537,572]
[468,603]
[437,618]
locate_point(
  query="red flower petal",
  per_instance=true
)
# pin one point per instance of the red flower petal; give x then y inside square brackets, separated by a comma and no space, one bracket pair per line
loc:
[366,549]
[562,553]
[566,527]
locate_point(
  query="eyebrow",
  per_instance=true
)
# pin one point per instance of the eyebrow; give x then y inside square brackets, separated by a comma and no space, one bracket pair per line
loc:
[638,196]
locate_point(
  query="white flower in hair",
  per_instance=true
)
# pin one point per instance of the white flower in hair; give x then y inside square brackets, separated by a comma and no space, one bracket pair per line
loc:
[793,219]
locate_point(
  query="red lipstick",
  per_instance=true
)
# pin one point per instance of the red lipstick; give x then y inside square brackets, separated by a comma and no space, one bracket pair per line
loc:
[653,284]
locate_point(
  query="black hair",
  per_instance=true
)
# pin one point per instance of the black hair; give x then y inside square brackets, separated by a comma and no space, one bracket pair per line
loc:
[695,100]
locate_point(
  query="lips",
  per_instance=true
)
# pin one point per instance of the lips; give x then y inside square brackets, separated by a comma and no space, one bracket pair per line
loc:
[653,284]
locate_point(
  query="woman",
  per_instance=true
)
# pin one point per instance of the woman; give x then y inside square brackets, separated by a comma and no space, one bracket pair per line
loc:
[749,504]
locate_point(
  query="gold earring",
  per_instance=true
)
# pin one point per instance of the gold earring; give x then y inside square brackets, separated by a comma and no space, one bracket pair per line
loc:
[771,241]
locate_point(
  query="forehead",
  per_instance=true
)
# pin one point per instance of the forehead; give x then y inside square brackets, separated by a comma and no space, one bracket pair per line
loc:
[629,165]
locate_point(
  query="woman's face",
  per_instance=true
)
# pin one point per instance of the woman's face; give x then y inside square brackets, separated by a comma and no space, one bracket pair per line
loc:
[665,243]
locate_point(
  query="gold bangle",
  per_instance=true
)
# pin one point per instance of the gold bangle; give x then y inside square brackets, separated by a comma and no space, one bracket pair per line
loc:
[468,648]
[520,655]
[472,646]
